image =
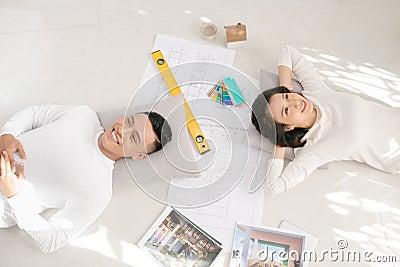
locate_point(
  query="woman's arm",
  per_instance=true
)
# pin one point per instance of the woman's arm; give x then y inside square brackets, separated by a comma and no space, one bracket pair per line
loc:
[285,77]
[279,152]
[301,68]
[279,179]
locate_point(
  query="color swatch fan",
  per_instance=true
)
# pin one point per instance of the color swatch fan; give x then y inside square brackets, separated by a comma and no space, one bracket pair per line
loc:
[227,92]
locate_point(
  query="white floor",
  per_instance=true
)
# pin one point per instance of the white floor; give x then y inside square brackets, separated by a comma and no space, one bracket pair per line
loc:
[94,52]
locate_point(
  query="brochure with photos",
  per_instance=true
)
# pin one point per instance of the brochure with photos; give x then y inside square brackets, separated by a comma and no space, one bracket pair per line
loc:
[266,247]
[173,240]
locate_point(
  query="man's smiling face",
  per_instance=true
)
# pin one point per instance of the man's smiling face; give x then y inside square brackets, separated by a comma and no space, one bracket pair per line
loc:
[132,136]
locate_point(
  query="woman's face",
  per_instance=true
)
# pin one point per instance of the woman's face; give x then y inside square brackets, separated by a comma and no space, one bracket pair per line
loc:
[293,110]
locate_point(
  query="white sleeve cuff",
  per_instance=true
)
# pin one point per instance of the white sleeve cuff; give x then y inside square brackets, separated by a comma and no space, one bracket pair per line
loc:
[275,165]
[24,202]
[7,132]
[274,182]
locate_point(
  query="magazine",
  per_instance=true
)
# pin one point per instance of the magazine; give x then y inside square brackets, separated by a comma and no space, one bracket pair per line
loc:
[310,244]
[173,240]
[266,247]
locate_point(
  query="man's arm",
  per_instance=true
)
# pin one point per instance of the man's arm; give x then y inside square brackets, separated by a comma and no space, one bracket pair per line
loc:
[25,120]
[32,117]
[66,224]
[63,226]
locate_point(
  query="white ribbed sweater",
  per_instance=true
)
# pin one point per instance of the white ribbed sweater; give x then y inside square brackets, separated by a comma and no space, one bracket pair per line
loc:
[347,128]
[64,169]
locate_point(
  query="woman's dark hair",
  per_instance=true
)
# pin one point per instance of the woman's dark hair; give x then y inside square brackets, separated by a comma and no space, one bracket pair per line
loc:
[161,128]
[262,119]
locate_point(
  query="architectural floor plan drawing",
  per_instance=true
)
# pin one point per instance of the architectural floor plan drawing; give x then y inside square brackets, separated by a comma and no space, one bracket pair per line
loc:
[219,218]
[220,195]
[179,51]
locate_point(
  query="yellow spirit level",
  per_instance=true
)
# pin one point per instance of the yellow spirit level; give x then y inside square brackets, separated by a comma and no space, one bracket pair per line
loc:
[191,123]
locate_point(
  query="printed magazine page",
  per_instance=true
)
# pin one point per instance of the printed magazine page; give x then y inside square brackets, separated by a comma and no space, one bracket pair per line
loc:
[266,247]
[173,240]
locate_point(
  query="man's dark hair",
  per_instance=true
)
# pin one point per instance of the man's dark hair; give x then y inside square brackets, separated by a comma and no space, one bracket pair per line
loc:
[161,128]
[261,118]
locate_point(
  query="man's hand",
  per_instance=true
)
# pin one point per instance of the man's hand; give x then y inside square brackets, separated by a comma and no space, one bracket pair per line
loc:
[10,144]
[8,179]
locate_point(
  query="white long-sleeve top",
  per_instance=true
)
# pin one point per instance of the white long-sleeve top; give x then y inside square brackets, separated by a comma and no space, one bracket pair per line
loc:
[64,169]
[347,128]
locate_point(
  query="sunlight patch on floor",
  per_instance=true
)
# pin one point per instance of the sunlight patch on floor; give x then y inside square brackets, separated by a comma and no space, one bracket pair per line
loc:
[363,79]
[142,12]
[128,253]
[97,242]
[134,256]
[344,198]
[351,235]
[339,210]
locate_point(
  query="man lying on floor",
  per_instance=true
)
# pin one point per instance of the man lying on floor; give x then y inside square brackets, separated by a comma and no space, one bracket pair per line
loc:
[69,164]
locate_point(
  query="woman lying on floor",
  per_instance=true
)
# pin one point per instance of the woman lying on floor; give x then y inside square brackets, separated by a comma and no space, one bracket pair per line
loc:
[322,124]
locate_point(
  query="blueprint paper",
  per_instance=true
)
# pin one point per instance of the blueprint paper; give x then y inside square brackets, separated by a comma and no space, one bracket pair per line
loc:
[220,216]
[179,51]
